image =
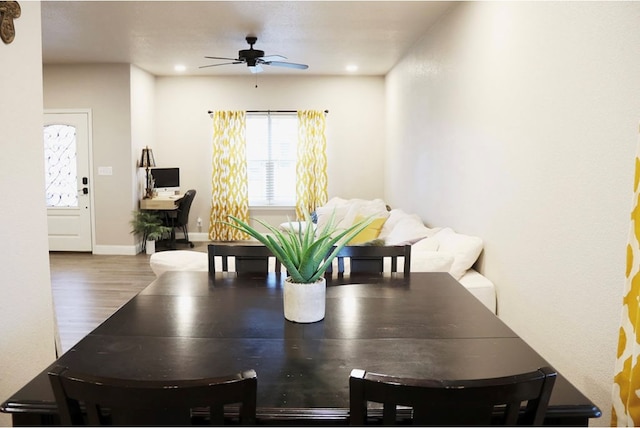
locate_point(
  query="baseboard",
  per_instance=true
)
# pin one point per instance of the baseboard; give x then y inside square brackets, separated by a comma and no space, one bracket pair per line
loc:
[198,237]
[132,250]
[194,236]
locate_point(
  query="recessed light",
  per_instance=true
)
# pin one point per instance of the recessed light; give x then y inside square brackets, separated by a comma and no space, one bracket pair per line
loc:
[351,68]
[179,67]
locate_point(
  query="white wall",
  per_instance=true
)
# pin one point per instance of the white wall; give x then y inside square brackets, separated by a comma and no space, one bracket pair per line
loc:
[355,128]
[518,122]
[26,311]
[106,90]
[132,109]
[142,126]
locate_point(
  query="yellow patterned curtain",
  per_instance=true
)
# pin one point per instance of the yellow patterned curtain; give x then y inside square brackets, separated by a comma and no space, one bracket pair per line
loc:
[626,386]
[229,178]
[311,167]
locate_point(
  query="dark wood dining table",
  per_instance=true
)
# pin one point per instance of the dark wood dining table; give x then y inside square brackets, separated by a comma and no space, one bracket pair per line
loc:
[192,324]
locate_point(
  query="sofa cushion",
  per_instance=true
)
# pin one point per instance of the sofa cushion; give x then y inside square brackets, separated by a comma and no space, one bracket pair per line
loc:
[481,287]
[465,249]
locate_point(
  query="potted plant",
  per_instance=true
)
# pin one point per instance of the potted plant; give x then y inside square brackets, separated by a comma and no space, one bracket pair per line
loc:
[306,254]
[149,225]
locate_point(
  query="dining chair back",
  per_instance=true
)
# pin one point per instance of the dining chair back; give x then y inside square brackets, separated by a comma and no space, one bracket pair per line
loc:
[493,401]
[109,401]
[371,259]
[248,258]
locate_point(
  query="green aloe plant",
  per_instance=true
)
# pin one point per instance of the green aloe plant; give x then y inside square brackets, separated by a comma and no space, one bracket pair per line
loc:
[302,251]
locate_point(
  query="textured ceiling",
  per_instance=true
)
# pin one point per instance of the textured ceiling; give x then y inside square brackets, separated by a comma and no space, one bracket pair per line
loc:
[156,35]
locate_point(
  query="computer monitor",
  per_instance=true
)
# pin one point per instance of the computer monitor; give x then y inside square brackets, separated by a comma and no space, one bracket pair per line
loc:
[166,180]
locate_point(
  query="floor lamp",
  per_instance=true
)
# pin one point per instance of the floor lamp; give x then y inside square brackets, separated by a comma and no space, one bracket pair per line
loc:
[147,161]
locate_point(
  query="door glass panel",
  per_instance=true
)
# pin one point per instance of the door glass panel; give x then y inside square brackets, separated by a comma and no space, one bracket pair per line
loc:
[61,175]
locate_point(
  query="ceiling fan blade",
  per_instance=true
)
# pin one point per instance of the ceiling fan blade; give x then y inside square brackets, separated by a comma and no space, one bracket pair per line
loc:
[220,57]
[255,58]
[256,68]
[224,63]
[270,58]
[288,64]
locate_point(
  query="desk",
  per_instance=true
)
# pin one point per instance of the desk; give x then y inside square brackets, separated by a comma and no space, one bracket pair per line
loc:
[161,203]
[167,207]
[188,324]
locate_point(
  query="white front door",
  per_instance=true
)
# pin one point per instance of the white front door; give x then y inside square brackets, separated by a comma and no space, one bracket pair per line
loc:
[68,180]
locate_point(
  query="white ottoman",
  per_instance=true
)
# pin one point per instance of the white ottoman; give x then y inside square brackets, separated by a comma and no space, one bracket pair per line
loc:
[179,260]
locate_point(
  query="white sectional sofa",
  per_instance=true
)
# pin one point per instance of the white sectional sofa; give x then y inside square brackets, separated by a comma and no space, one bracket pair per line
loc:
[439,249]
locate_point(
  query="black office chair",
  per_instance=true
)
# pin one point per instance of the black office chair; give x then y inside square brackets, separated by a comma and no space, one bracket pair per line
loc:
[181,221]
[364,258]
[248,258]
[110,401]
[494,401]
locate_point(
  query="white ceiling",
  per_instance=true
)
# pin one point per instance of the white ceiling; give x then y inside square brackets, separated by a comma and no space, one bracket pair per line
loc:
[156,35]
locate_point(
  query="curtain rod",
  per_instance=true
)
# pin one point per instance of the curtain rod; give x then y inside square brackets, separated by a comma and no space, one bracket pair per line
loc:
[271,111]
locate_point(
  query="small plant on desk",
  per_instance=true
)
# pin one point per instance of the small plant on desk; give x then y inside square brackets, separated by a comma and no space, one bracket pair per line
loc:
[149,225]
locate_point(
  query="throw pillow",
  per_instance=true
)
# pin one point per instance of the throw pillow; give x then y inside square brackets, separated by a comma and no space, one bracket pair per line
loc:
[395,215]
[370,232]
[346,211]
[324,215]
[426,244]
[465,249]
[364,208]
[408,229]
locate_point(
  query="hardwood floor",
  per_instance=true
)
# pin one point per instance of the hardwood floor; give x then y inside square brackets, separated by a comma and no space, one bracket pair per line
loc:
[88,288]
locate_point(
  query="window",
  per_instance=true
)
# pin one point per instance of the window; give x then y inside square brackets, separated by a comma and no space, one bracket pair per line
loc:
[272,140]
[61,177]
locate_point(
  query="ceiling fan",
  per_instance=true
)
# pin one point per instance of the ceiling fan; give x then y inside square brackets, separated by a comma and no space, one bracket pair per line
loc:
[255,59]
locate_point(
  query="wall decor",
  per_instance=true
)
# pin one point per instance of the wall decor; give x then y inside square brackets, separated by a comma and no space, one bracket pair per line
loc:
[9,10]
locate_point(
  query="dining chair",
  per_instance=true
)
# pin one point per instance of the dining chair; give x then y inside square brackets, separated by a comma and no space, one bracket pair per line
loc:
[370,259]
[109,401]
[493,401]
[248,258]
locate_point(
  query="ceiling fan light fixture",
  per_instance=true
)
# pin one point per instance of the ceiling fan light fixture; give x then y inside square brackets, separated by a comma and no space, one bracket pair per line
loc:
[256,68]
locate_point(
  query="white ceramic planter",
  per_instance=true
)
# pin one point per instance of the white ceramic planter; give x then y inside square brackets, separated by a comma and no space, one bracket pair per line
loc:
[150,247]
[304,303]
